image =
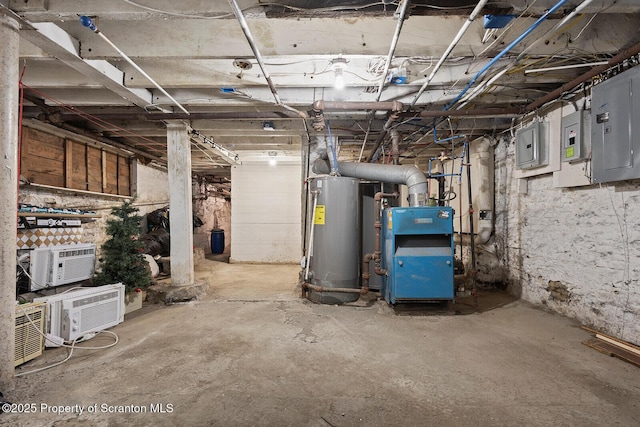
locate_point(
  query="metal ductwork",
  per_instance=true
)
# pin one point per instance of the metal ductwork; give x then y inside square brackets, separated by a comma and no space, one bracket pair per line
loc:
[413,177]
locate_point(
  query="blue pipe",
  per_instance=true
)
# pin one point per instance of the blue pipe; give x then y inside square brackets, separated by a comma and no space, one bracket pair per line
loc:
[462,156]
[449,139]
[504,52]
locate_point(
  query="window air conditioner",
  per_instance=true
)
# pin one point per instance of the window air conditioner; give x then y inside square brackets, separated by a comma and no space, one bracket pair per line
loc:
[59,265]
[29,329]
[79,312]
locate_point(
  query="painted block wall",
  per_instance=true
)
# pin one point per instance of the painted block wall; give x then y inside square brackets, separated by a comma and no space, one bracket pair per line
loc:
[266,212]
[575,250]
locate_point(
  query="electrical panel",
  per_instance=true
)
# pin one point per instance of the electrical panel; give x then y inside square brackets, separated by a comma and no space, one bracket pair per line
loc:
[532,146]
[615,128]
[576,136]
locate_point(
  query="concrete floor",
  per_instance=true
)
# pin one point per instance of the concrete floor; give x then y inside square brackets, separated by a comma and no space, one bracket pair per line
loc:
[254,354]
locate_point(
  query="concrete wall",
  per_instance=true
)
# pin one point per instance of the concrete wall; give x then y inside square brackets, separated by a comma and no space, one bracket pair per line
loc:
[266,212]
[571,247]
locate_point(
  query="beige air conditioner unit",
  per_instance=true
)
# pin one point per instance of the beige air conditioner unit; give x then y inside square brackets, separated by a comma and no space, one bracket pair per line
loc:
[29,328]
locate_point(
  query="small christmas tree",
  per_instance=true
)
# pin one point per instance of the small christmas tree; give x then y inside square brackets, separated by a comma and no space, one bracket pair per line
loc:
[122,259]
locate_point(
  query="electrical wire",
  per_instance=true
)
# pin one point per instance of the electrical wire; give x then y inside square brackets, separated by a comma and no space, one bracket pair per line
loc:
[30,277]
[327,9]
[181,15]
[585,26]
[95,120]
[72,346]
[624,235]
[559,28]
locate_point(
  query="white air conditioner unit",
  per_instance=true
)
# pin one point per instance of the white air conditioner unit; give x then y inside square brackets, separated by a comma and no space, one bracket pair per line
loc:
[79,312]
[30,326]
[59,265]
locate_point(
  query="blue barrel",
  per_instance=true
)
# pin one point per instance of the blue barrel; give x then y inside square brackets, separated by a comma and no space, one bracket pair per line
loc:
[217,241]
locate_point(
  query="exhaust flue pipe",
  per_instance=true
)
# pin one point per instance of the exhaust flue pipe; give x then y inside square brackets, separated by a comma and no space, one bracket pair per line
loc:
[413,177]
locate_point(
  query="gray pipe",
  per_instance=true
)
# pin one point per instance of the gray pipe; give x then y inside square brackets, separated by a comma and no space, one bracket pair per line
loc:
[413,177]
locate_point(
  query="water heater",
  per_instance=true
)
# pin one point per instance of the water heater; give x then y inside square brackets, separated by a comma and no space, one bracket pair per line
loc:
[334,260]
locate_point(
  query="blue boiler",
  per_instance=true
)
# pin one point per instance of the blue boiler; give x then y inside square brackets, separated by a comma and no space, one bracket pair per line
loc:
[417,252]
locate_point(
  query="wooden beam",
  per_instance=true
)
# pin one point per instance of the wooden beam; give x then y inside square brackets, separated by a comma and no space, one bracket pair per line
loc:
[619,343]
[68,163]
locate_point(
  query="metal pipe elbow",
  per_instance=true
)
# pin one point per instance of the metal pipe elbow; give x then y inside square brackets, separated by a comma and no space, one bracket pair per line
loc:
[416,181]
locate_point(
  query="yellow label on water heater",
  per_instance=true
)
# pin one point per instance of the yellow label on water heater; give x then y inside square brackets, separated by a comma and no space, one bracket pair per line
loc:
[318,215]
[390,222]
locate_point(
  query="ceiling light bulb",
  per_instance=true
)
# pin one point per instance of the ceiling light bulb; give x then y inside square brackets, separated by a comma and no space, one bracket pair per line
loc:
[339,81]
[338,65]
[272,157]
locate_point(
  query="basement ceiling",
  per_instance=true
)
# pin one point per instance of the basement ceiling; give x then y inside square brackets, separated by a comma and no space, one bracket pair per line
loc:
[201,57]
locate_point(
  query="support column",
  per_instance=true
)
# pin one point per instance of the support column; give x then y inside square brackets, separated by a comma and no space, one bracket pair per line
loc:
[180,207]
[9,64]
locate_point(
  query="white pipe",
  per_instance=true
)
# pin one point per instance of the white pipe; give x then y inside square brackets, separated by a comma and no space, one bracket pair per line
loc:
[247,33]
[141,71]
[402,7]
[483,162]
[87,22]
[566,67]
[480,88]
[566,19]
[452,45]
[394,42]
[310,246]
[576,11]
